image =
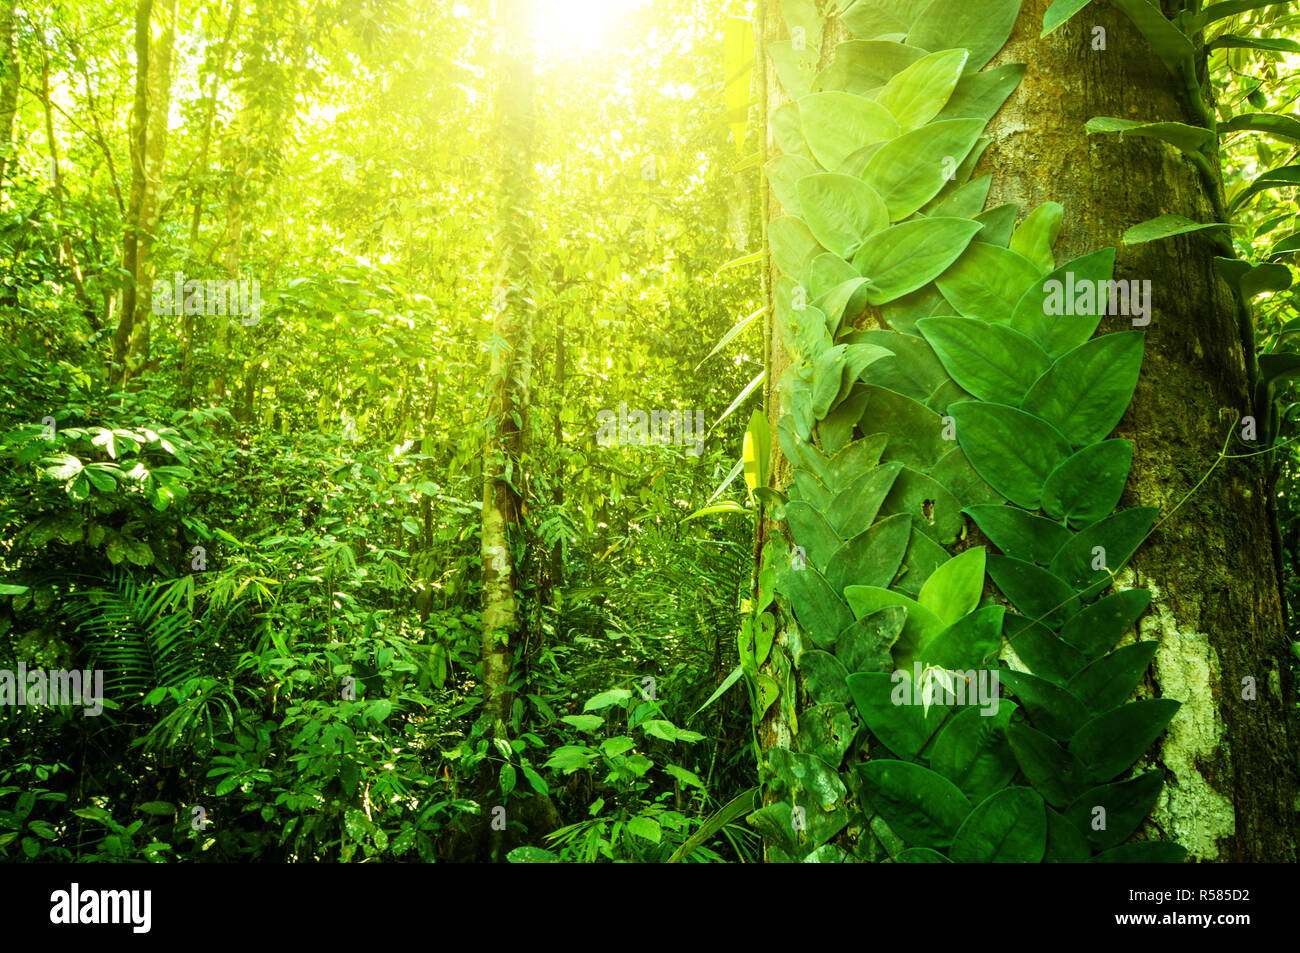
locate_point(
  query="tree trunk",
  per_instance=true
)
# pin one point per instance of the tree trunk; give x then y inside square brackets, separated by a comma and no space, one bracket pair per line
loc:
[1231,778]
[131,230]
[13,68]
[511,363]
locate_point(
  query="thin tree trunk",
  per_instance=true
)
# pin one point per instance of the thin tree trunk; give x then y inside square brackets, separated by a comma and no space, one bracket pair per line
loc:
[511,363]
[13,68]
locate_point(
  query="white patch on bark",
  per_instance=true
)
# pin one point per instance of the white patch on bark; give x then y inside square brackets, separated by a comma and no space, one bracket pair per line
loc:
[1189,811]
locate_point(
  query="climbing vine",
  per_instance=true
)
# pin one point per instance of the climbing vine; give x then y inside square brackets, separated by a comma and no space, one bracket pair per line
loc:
[982,394]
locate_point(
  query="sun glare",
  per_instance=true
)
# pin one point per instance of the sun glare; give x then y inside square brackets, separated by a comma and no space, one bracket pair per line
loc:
[571,28]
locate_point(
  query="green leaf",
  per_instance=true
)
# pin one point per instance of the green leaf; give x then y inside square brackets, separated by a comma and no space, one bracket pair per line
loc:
[921,625]
[910,169]
[1013,451]
[872,557]
[647,828]
[1108,682]
[999,224]
[1126,806]
[822,614]
[840,211]
[1167,41]
[967,643]
[915,431]
[955,472]
[868,18]
[1194,140]
[920,855]
[792,244]
[954,588]
[905,257]
[158,808]
[787,130]
[862,66]
[934,510]
[1270,43]
[1281,127]
[812,532]
[916,94]
[1065,845]
[855,508]
[757,449]
[1051,709]
[1019,533]
[1041,650]
[783,174]
[1086,487]
[1055,773]
[1088,389]
[923,557]
[1098,627]
[1037,593]
[1111,742]
[604,700]
[836,124]
[980,95]
[922,806]
[991,361]
[1108,544]
[965,201]
[1165,226]
[507,779]
[1058,333]
[1007,827]
[824,676]
[972,751]
[864,646]
[1037,234]
[981,26]
[1060,12]
[1280,178]
[825,731]
[532,855]
[987,281]
[584,722]
[796,69]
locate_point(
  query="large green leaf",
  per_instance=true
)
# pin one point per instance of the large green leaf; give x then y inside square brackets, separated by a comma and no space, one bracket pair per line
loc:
[796,68]
[1039,648]
[840,211]
[806,781]
[1057,333]
[1165,226]
[1167,41]
[1126,805]
[783,174]
[910,169]
[1143,852]
[1098,627]
[972,751]
[1007,827]
[1087,486]
[981,26]
[1051,709]
[934,510]
[868,18]
[1111,742]
[965,201]
[1089,561]
[916,94]
[1039,594]
[861,66]
[921,625]
[915,431]
[955,472]
[885,706]
[824,676]
[855,508]
[1036,235]
[954,588]
[1059,12]
[987,281]
[968,642]
[836,124]
[872,557]
[1013,451]
[819,609]
[1065,845]
[905,257]
[1019,533]
[980,95]
[1190,139]
[923,807]
[825,731]
[813,532]
[1055,773]
[787,130]
[991,361]
[1108,682]
[792,244]
[1088,389]
[865,645]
